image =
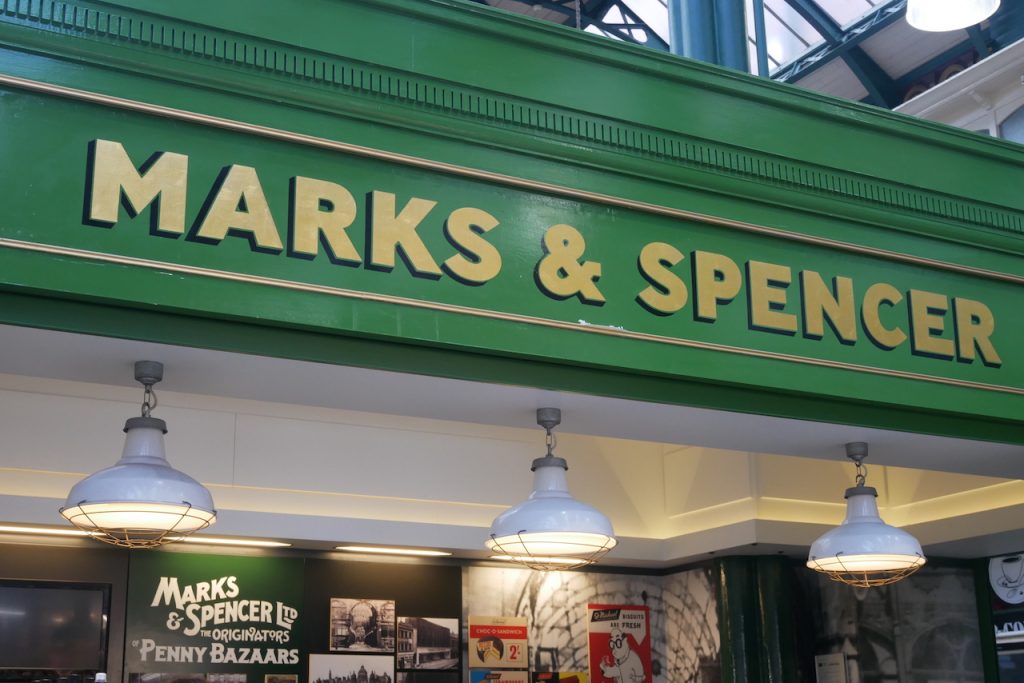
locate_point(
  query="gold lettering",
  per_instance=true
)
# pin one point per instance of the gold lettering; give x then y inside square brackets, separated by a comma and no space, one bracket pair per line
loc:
[112,176]
[239,206]
[767,284]
[878,294]
[821,303]
[927,310]
[392,230]
[974,325]
[716,279]
[321,210]
[667,292]
[464,229]
[560,273]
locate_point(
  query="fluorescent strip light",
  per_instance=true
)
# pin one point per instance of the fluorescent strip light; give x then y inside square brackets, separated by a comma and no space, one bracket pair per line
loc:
[539,560]
[392,551]
[214,540]
[42,530]
[208,540]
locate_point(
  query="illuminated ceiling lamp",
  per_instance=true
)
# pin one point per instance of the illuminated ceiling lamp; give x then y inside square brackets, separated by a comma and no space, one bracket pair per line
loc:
[551,529]
[864,551]
[949,15]
[141,502]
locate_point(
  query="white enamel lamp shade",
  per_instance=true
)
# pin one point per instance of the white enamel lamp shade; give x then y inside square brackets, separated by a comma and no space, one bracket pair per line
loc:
[949,15]
[141,499]
[551,529]
[864,550]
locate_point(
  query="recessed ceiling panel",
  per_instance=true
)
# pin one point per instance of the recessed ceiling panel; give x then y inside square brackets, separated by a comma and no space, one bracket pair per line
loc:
[835,78]
[899,48]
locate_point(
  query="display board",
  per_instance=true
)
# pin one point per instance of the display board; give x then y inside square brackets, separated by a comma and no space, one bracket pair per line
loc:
[222,619]
[391,622]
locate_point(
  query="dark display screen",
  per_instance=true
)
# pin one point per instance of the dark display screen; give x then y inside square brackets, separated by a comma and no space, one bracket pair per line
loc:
[53,626]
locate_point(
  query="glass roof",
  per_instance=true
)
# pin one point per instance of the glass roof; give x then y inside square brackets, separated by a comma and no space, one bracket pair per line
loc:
[845,12]
[792,27]
[846,48]
[788,35]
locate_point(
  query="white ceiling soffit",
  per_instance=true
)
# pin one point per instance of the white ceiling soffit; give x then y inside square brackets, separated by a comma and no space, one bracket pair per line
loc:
[899,48]
[83,358]
[834,78]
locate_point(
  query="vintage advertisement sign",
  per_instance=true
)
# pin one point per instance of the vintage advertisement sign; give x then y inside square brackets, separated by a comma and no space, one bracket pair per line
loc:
[480,676]
[1006,576]
[212,614]
[560,677]
[620,643]
[498,642]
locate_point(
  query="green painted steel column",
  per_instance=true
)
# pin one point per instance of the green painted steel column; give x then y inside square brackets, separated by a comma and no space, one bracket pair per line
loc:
[761,39]
[692,29]
[777,643]
[738,619]
[986,626]
[712,31]
[731,34]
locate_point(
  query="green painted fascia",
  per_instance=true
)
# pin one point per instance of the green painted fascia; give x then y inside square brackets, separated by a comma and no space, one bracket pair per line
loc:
[478,46]
[160,68]
[673,153]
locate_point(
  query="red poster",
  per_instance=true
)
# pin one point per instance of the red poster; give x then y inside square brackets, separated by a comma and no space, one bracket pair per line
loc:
[620,643]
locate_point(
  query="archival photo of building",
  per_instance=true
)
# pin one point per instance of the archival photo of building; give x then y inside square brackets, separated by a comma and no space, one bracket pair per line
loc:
[362,625]
[351,669]
[428,643]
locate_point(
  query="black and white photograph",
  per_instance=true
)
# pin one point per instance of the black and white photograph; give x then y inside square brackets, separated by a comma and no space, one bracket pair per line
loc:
[427,677]
[428,643]
[922,629]
[186,678]
[351,669]
[281,678]
[362,625]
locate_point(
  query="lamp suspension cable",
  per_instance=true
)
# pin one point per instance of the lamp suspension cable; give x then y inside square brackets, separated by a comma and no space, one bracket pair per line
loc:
[864,551]
[551,529]
[141,502]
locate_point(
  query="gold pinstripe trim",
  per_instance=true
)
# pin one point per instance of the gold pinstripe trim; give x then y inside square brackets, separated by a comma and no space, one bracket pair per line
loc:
[483,313]
[490,176]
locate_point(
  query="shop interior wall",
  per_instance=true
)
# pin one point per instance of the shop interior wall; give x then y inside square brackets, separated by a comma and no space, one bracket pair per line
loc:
[924,628]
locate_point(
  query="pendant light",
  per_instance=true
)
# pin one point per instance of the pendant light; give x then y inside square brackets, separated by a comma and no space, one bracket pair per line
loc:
[141,502]
[551,529]
[949,15]
[864,551]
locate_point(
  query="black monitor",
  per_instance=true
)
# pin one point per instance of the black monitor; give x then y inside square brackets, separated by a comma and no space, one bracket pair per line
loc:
[53,626]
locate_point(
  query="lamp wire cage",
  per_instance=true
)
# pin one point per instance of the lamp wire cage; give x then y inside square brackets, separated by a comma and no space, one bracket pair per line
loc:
[140,538]
[860,578]
[552,562]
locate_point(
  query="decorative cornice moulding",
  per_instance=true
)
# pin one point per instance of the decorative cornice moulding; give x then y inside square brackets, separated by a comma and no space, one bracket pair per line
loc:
[505,116]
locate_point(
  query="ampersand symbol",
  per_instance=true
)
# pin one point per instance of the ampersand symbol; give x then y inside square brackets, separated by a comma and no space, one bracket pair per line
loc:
[560,273]
[173,621]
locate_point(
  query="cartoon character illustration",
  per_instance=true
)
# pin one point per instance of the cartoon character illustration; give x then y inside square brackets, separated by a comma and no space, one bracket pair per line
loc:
[625,665]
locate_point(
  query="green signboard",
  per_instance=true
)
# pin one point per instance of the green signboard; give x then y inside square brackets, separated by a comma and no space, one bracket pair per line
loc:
[156,207]
[220,619]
